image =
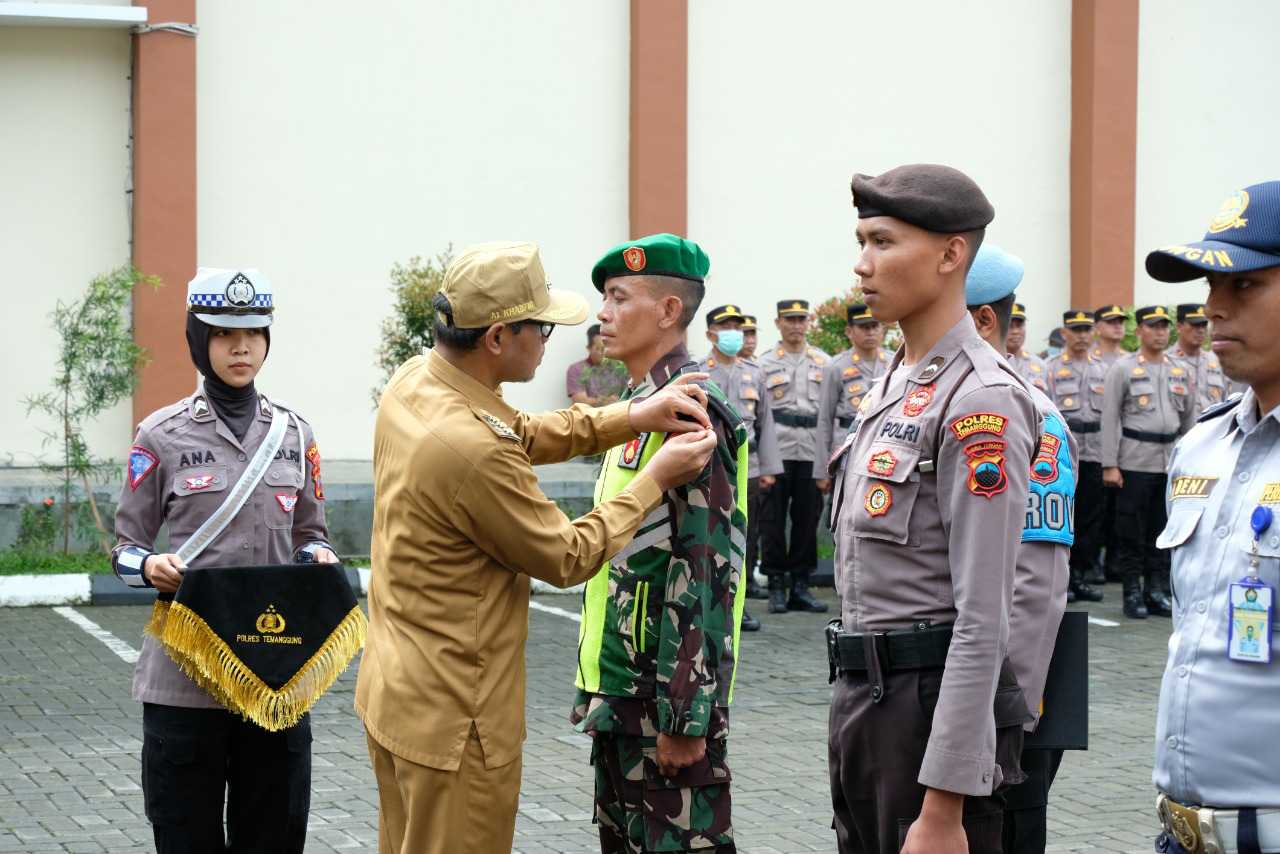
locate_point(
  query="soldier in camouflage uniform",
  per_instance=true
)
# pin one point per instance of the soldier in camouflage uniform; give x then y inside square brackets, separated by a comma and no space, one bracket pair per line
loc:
[658,644]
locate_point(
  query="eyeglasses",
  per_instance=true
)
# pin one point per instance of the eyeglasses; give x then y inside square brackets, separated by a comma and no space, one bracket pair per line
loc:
[544,329]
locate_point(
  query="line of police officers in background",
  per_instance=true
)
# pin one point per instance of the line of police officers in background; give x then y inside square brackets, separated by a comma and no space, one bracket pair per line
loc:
[1125,409]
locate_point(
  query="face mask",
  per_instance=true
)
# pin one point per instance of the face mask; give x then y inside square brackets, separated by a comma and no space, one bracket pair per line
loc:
[729,341]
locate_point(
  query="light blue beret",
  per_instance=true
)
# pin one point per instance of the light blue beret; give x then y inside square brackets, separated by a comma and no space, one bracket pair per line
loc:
[994,275]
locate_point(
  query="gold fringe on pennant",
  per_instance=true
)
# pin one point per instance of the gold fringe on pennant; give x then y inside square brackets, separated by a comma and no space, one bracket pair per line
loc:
[159,615]
[207,659]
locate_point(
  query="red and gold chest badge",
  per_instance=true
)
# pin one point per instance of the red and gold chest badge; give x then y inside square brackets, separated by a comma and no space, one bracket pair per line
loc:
[918,400]
[882,463]
[986,468]
[1044,468]
[634,258]
[313,454]
[878,501]
[630,456]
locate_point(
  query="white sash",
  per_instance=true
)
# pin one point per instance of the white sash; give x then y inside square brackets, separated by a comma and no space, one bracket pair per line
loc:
[239,493]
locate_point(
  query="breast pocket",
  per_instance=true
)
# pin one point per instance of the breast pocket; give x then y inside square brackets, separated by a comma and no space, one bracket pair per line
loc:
[854,393]
[885,489]
[1214,380]
[1142,393]
[748,394]
[779,386]
[1096,393]
[282,481]
[1179,392]
[1068,394]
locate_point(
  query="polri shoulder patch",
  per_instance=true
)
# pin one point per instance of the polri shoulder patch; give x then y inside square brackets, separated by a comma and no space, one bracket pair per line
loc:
[498,426]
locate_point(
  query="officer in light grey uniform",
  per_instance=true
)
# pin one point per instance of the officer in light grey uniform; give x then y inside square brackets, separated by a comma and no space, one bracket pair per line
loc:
[1147,405]
[1026,364]
[1109,329]
[846,379]
[928,503]
[793,382]
[1216,753]
[743,385]
[185,460]
[1079,382]
[1207,378]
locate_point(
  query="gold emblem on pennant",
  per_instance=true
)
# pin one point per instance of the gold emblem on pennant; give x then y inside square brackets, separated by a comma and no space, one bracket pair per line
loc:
[270,622]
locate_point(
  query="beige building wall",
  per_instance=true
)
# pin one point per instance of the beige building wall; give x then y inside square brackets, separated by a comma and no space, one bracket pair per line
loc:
[64,99]
[786,103]
[1207,122]
[337,141]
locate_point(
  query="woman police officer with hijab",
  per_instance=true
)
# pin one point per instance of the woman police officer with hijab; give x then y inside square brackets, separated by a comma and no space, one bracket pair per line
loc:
[187,459]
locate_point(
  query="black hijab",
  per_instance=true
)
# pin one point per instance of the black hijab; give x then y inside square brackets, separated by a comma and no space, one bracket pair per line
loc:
[235,406]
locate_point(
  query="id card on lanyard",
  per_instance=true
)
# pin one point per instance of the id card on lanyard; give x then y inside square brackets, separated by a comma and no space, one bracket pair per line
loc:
[1251,603]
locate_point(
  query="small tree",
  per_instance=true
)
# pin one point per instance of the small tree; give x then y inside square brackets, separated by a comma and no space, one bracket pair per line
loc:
[826,331]
[98,367]
[409,329]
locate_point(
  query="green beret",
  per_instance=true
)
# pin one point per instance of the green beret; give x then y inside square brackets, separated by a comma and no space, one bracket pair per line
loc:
[655,255]
[935,198]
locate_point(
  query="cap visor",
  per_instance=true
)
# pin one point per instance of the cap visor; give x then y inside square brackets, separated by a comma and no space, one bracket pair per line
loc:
[1078,323]
[237,321]
[566,309]
[1173,265]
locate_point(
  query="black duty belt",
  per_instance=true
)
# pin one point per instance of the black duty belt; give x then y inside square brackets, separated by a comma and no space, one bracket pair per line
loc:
[791,419]
[905,649]
[1143,436]
[1084,426]
[844,423]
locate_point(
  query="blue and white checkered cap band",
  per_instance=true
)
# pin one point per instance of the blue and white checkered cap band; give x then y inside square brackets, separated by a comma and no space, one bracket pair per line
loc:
[220,301]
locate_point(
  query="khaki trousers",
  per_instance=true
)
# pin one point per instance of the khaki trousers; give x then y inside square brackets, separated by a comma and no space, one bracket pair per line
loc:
[425,810]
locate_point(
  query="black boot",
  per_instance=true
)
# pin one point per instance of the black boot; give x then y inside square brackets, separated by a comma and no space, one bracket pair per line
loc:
[749,623]
[1157,603]
[1071,597]
[1095,576]
[777,595]
[754,591]
[1082,591]
[802,600]
[1134,608]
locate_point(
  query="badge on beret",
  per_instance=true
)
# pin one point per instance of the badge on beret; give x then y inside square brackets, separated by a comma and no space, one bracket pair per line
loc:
[882,463]
[634,258]
[918,400]
[1044,468]
[987,477]
[141,462]
[878,501]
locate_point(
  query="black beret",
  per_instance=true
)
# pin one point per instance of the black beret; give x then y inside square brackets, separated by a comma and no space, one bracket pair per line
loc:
[932,197]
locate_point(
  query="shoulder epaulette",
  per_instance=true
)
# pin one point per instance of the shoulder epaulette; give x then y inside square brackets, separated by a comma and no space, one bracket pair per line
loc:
[497,425]
[1219,409]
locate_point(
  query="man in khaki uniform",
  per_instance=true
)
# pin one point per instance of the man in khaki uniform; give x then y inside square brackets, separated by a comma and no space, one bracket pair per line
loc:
[1109,331]
[1147,405]
[1026,364]
[743,385]
[793,381]
[1079,381]
[928,506]
[459,527]
[845,381]
[1207,379]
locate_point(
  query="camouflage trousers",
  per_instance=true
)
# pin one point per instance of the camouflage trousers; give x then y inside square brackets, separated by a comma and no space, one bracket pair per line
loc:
[640,810]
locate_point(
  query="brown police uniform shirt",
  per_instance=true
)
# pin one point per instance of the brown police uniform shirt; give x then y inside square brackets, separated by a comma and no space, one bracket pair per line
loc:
[1078,389]
[793,382]
[845,381]
[1210,383]
[1031,368]
[929,505]
[1151,397]
[743,384]
[196,460]
[459,527]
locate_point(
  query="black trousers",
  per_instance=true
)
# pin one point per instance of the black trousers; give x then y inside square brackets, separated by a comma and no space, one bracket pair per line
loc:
[1109,540]
[753,525]
[1140,517]
[1091,505]
[196,761]
[795,495]
[1026,814]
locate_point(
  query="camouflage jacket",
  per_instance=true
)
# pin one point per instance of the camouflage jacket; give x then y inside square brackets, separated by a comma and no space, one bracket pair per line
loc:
[658,644]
